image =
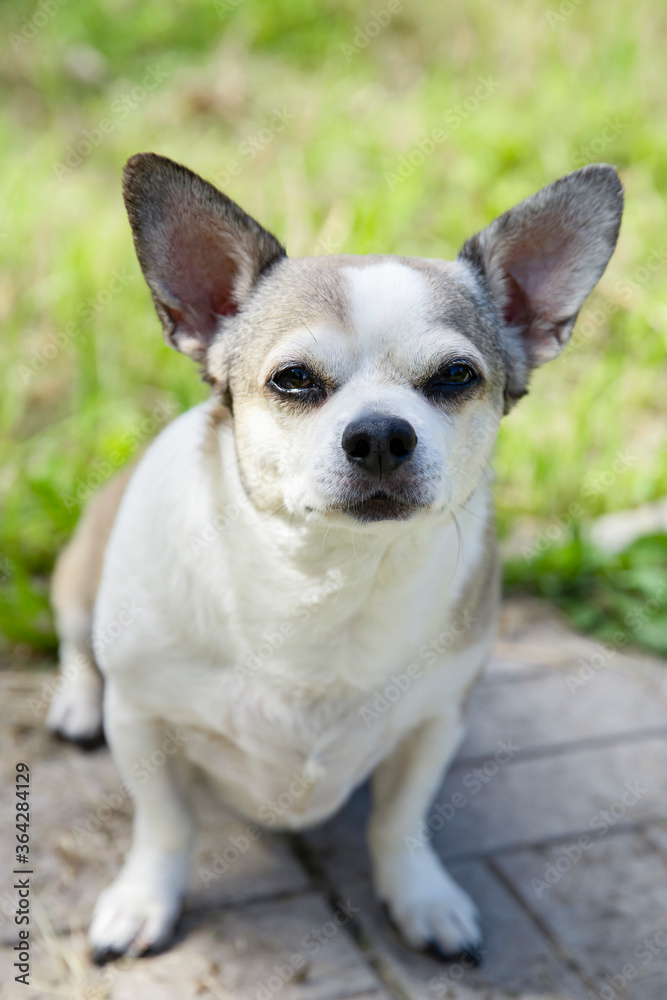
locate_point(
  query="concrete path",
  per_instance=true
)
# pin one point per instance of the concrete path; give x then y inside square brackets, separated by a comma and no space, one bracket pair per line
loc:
[554,817]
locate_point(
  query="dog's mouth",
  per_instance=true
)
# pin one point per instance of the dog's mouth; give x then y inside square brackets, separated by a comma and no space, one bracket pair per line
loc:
[379,507]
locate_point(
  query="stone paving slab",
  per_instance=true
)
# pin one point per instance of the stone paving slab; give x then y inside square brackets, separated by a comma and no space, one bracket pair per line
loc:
[517,955]
[250,952]
[541,710]
[605,904]
[533,635]
[576,940]
[261,950]
[541,799]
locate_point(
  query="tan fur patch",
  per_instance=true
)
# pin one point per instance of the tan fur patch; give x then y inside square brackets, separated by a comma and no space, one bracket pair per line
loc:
[77,572]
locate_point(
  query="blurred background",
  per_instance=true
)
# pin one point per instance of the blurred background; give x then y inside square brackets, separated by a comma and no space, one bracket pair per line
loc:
[400,126]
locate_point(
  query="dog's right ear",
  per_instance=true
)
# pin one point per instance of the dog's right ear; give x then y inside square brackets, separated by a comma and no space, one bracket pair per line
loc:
[199,252]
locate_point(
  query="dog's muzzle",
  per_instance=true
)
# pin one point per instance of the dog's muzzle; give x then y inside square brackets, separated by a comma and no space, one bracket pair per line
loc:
[378,447]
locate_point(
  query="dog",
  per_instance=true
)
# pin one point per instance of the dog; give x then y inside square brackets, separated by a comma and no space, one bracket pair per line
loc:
[285,550]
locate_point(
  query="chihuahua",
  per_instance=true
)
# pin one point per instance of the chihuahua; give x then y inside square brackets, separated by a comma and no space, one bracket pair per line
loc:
[287,549]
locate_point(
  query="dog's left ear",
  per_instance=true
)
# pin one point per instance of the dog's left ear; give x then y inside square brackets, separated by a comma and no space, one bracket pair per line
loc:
[541,259]
[200,253]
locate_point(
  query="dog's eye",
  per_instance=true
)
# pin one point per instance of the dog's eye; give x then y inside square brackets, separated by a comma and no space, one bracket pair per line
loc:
[451,378]
[294,380]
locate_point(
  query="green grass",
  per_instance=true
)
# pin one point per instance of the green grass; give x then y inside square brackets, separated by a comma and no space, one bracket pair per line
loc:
[622,599]
[590,86]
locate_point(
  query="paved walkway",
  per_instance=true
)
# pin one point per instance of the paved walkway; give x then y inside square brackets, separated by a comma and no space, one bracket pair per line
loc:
[562,841]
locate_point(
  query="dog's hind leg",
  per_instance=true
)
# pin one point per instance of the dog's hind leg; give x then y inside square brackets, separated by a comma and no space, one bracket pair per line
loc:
[75,712]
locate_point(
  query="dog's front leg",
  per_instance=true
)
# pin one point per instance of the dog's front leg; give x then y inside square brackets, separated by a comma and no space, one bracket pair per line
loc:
[140,908]
[426,904]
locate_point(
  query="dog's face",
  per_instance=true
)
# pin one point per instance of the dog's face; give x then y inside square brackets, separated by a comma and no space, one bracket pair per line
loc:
[367,389]
[358,385]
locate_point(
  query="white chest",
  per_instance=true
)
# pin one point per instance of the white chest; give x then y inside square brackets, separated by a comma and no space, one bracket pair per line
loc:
[287,760]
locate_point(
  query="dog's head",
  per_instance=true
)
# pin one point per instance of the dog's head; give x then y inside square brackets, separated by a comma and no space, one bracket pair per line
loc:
[368,388]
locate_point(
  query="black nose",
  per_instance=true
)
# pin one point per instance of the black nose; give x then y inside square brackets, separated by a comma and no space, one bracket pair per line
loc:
[379,444]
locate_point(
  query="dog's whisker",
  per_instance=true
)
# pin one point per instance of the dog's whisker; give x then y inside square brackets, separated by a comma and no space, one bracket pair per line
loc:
[261,520]
[325,537]
[309,331]
[476,482]
[459,534]
[486,518]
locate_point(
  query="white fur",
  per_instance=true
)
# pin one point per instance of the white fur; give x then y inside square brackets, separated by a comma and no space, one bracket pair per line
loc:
[250,614]
[293,732]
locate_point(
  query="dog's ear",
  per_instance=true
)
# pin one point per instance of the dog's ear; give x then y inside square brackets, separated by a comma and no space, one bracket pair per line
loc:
[199,252]
[541,259]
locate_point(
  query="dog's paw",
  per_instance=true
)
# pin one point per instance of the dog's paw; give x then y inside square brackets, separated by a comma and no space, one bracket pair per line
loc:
[427,906]
[133,917]
[75,714]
